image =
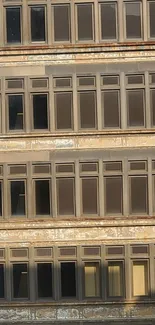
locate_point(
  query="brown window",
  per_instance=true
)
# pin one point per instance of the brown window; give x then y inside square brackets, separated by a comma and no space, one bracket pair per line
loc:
[13,24]
[42,197]
[63,110]
[133,20]
[92,279]
[89,195]
[108,21]
[138,194]
[68,279]
[17,189]
[113,194]
[16,112]
[140,278]
[151,16]
[65,196]
[115,279]
[110,108]
[87,109]
[20,281]
[40,114]
[152,100]
[84,21]
[44,280]
[61,30]
[37,23]
[1,199]
[135,106]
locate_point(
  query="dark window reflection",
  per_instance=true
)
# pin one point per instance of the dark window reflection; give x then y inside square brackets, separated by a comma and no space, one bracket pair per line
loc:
[42,197]
[0,199]
[108,21]
[63,103]
[15,112]
[37,24]
[152,20]
[135,107]
[20,281]
[61,31]
[85,24]
[13,28]
[40,119]
[87,103]
[68,279]
[1,281]
[44,280]
[139,194]
[133,20]
[110,108]
[17,198]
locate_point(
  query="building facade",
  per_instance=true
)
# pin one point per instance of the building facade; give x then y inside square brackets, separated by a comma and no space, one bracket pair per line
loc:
[77,162]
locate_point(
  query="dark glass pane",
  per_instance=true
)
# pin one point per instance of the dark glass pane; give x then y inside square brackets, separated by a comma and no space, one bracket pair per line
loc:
[61,30]
[20,281]
[15,112]
[68,279]
[42,193]
[44,280]
[85,25]
[13,29]
[152,20]
[0,199]
[133,20]
[40,118]
[138,195]
[135,108]
[63,105]
[65,196]
[135,79]
[89,196]
[108,21]
[113,195]
[1,281]
[38,24]
[87,102]
[17,198]
[110,108]
[152,99]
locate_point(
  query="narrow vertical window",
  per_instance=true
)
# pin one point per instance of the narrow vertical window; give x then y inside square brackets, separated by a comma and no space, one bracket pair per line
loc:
[85,22]
[151,17]
[1,205]
[42,197]
[140,278]
[89,196]
[44,280]
[17,198]
[87,109]
[1,281]
[15,103]
[13,25]
[152,103]
[61,23]
[40,115]
[108,21]
[68,280]
[92,279]
[138,194]
[63,108]
[135,105]
[113,194]
[111,109]
[65,196]
[20,281]
[115,279]
[37,24]
[133,20]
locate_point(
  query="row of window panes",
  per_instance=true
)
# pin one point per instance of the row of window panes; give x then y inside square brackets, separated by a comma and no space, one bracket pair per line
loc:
[113,106]
[58,195]
[94,274]
[79,22]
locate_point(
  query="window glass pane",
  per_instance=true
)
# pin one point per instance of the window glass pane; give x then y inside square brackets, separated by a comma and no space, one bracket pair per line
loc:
[85,25]
[133,20]
[135,103]
[87,103]
[138,194]
[151,16]
[110,108]
[63,106]
[37,24]
[92,280]
[44,280]
[13,28]
[0,198]
[40,118]
[17,198]
[152,100]
[115,279]
[108,21]
[68,279]
[89,196]
[65,196]
[20,281]
[42,193]
[61,30]
[15,103]
[1,281]
[113,195]
[140,278]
